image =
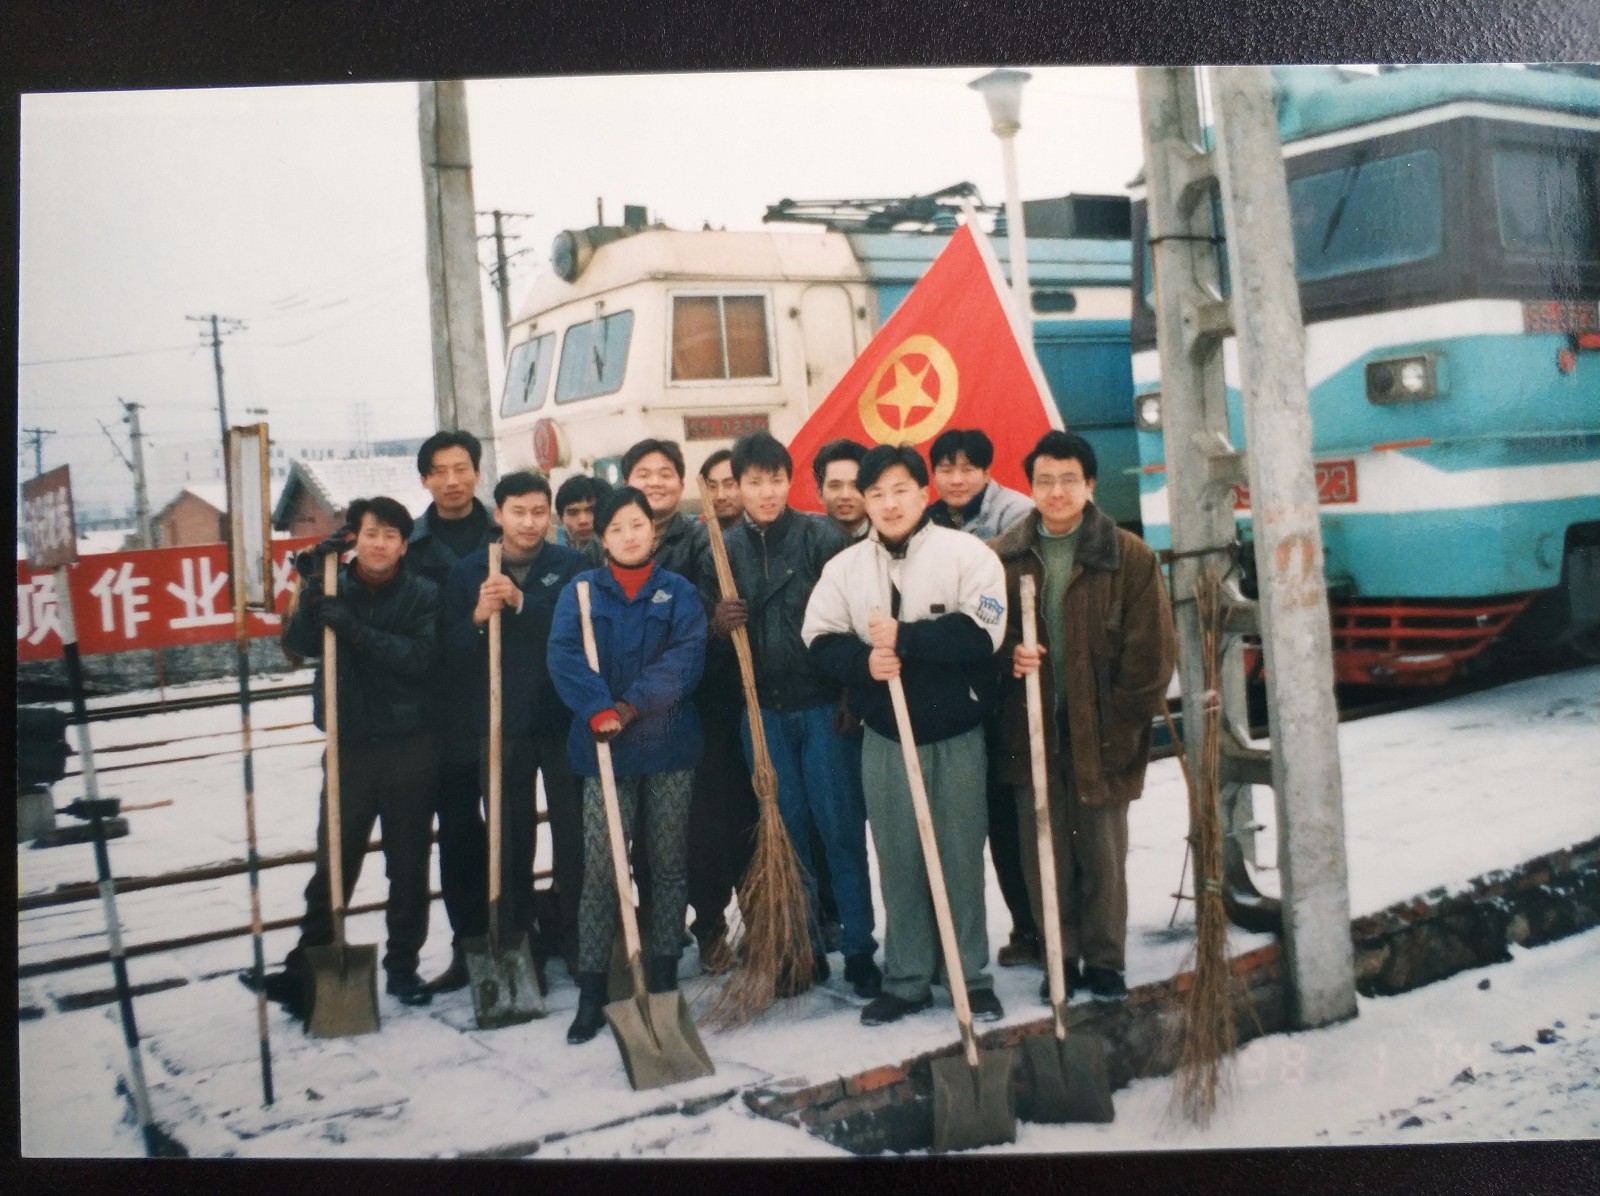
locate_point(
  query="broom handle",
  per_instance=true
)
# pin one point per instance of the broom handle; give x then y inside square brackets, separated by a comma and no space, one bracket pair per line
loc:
[608,791]
[496,748]
[330,719]
[741,649]
[935,870]
[1049,899]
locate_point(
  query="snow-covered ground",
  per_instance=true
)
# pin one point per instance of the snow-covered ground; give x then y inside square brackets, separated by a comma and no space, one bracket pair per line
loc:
[1433,797]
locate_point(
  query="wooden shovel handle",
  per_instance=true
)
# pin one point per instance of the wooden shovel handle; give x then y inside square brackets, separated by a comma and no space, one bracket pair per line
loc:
[1049,899]
[330,765]
[935,870]
[496,750]
[608,791]
[765,777]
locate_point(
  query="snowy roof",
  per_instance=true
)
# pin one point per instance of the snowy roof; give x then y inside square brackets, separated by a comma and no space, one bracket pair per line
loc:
[338,483]
[214,495]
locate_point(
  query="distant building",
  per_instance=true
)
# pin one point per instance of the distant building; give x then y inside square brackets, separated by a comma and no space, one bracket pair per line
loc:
[197,515]
[316,494]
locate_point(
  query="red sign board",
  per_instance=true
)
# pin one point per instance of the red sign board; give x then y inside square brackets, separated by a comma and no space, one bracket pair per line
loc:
[155,598]
[47,519]
[1560,316]
[1336,483]
[722,427]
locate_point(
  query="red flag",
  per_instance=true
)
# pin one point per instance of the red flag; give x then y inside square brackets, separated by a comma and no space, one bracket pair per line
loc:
[953,355]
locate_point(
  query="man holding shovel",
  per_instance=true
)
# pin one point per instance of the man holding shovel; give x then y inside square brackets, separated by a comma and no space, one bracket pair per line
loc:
[1107,654]
[927,605]
[385,621]
[534,721]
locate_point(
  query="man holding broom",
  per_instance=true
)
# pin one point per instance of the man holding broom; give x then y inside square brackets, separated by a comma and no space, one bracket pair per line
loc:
[926,604]
[1107,646]
[776,555]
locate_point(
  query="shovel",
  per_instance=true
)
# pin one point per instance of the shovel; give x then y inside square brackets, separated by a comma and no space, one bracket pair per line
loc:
[505,990]
[344,979]
[1069,1070]
[654,1031]
[973,1103]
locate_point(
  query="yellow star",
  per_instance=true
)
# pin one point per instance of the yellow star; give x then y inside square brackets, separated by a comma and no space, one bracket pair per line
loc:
[906,394]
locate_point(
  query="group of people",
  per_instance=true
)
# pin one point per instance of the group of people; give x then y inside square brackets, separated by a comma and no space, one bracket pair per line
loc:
[888,583]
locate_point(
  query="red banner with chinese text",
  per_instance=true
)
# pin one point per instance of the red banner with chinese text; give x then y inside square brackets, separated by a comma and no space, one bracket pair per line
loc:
[152,598]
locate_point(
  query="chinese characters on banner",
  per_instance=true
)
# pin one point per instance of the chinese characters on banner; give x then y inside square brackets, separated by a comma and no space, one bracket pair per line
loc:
[156,598]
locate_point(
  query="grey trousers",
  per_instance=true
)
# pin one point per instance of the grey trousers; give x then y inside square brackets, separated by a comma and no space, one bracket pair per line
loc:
[1091,850]
[665,797]
[954,770]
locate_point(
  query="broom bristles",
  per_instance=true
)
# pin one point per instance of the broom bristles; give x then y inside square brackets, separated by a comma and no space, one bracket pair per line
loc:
[1208,1036]
[771,954]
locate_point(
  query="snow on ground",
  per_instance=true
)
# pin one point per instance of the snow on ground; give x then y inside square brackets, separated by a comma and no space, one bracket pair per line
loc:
[1433,797]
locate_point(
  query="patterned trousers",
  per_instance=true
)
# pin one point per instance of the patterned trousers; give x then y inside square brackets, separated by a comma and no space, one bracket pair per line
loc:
[665,798]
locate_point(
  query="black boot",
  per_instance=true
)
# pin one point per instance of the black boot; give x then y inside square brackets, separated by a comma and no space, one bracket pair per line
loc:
[591,1007]
[454,978]
[661,974]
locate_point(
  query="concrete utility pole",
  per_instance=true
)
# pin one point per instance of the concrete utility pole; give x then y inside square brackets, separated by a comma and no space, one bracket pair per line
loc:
[460,360]
[233,325]
[1286,516]
[37,435]
[501,274]
[141,490]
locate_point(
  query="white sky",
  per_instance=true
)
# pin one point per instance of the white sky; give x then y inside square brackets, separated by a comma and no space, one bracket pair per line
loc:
[299,210]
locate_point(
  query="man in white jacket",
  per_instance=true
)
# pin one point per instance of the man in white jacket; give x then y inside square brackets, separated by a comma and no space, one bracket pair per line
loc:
[925,604]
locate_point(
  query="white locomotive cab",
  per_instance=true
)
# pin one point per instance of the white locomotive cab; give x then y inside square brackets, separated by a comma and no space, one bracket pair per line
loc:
[698,337]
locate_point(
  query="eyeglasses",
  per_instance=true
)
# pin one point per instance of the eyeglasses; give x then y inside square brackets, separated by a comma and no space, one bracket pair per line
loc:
[1068,482]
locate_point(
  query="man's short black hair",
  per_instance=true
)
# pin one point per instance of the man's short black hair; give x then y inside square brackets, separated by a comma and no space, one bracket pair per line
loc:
[884,457]
[835,450]
[578,488]
[622,496]
[1062,446]
[446,440]
[384,510]
[760,450]
[667,448]
[515,485]
[977,446]
[714,460]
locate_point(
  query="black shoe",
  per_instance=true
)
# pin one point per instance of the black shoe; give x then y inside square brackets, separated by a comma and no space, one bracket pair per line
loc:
[1022,949]
[886,1007]
[863,975]
[661,973]
[591,1008]
[286,988]
[408,988]
[985,1005]
[453,978]
[1105,984]
[1072,976]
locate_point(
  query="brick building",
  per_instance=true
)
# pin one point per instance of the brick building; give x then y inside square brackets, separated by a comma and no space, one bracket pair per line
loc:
[197,515]
[316,493]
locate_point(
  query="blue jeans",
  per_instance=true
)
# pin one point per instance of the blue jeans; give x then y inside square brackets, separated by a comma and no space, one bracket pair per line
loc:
[809,757]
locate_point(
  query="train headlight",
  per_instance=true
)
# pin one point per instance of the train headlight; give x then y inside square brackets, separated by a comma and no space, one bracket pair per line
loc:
[1403,379]
[1147,411]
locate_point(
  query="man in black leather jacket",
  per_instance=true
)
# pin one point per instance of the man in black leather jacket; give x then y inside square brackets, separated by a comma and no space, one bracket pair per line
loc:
[776,556]
[385,620]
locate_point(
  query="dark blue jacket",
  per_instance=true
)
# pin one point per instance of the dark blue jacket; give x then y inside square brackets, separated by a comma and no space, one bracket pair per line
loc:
[530,704]
[652,652]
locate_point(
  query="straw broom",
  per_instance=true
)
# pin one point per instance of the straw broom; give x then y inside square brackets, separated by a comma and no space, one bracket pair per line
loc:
[1208,1036]
[771,953]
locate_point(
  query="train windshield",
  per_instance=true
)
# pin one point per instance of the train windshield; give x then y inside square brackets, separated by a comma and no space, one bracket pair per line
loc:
[1548,203]
[1367,215]
[593,357]
[528,375]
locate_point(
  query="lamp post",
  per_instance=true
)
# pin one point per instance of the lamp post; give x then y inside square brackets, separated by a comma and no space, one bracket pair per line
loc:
[1002,93]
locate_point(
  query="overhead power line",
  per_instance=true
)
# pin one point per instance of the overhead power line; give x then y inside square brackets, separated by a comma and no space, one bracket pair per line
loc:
[107,356]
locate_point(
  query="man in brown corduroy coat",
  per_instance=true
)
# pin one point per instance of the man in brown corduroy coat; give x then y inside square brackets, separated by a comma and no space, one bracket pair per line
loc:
[1107,646]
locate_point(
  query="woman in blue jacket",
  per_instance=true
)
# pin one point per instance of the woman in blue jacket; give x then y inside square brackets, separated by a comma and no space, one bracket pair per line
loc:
[650,632]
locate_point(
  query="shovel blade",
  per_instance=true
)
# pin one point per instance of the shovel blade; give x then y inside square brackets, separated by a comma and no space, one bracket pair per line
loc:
[505,987]
[1070,1080]
[973,1107]
[659,1042]
[344,990]
[619,976]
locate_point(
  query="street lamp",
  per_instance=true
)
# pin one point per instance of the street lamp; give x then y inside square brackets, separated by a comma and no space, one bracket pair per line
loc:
[1002,93]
